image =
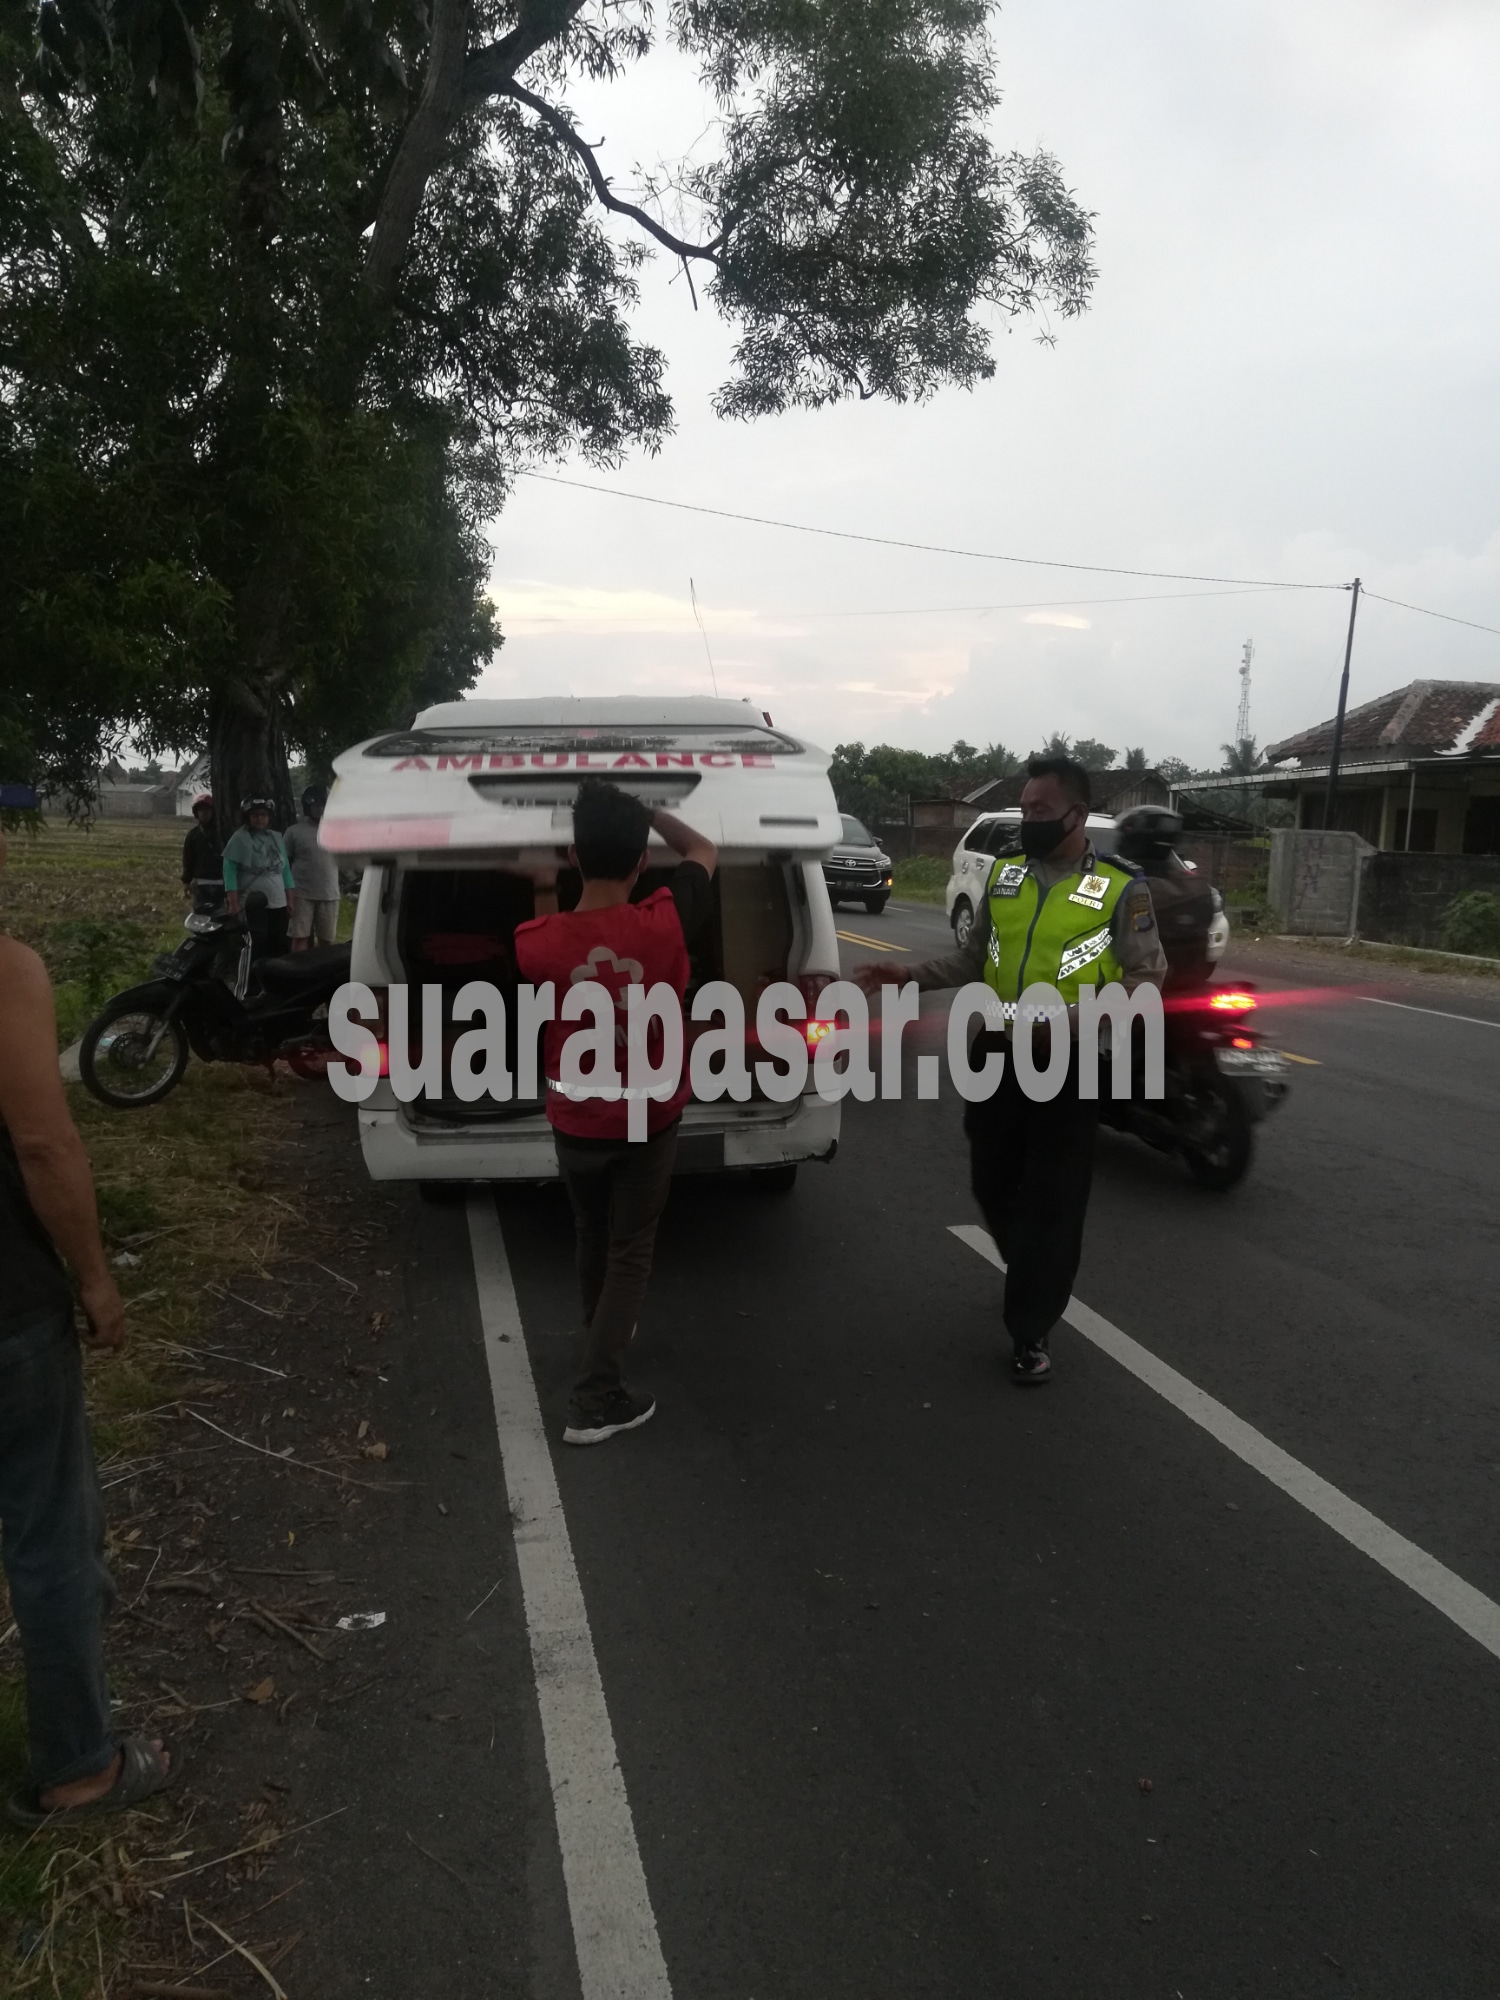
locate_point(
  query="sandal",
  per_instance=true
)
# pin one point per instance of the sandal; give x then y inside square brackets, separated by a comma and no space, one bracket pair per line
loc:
[141,1776]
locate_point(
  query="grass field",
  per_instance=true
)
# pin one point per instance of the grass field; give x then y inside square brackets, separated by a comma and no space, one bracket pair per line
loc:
[187,1199]
[921,880]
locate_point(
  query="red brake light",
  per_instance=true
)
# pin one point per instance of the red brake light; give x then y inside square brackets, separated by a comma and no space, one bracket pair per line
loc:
[1242,1042]
[385,1057]
[1233,1003]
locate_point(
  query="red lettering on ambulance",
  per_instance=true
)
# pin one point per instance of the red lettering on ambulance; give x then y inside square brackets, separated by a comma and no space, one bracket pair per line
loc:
[684,758]
[460,763]
[412,764]
[758,763]
[506,760]
[584,762]
[716,759]
[631,757]
[544,760]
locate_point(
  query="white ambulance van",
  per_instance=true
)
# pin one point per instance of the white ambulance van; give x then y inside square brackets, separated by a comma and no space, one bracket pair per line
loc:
[432,811]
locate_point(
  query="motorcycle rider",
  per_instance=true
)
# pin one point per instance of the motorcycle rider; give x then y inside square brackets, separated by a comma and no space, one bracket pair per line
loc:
[1183,899]
[1031,1162]
[255,858]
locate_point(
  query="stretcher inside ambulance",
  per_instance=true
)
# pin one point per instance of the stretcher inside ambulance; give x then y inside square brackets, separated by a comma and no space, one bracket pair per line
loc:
[434,812]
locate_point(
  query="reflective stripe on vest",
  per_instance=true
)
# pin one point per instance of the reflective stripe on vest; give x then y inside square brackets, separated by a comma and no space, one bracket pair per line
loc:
[1053,938]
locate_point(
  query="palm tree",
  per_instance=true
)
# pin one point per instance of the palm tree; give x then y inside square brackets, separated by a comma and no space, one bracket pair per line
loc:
[1241,758]
[1135,762]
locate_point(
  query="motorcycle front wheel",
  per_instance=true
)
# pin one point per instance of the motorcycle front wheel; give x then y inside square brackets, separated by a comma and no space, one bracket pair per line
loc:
[1217,1142]
[119,1064]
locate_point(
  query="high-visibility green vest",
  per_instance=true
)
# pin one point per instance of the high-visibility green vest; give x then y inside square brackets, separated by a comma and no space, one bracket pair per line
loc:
[1062,937]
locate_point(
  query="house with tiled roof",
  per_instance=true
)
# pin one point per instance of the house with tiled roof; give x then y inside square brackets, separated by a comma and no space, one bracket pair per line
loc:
[1419,769]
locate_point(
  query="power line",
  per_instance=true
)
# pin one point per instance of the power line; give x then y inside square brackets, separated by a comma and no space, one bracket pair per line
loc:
[1446,616]
[923,548]
[1033,603]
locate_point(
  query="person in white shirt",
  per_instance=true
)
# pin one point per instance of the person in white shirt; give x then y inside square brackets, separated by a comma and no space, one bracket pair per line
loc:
[315,874]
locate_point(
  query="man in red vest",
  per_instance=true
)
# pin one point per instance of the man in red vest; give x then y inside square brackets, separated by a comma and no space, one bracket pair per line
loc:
[618,1188]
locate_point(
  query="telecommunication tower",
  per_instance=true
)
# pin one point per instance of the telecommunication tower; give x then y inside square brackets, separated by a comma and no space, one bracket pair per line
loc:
[1242,724]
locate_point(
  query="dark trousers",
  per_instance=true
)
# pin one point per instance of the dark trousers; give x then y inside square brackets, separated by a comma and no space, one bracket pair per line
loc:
[52,1522]
[1031,1165]
[268,929]
[618,1192]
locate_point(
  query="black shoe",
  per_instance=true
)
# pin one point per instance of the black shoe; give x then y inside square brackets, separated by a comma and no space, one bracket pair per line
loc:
[597,1421]
[1031,1364]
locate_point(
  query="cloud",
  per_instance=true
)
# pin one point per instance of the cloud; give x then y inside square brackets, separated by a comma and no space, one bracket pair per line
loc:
[1068,620]
[532,608]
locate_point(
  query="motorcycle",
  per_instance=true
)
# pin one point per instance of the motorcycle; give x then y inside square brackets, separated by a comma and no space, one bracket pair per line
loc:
[1221,1080]
[214,999]
[1221,1076]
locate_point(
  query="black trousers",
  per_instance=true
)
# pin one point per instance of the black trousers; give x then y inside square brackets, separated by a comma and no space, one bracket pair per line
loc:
[268,929]
[618,1192]
[1031,1166]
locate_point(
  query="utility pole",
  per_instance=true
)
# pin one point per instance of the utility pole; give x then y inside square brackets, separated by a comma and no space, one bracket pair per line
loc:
[1338,720]
[1242,721]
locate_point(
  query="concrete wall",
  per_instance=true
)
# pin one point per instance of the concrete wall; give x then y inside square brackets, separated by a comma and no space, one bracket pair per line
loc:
[1314,881]
[1402,897]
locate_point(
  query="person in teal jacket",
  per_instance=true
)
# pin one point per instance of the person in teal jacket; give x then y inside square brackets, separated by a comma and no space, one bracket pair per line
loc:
[255,858]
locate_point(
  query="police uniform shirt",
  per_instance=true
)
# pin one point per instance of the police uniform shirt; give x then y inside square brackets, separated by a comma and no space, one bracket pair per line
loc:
[1133,933]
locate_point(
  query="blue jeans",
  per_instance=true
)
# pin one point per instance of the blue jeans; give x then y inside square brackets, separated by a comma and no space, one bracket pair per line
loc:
[52,1521]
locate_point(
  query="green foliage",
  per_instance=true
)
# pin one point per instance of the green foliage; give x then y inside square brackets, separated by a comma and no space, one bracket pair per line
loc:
[1094,755]
[1471,924]
[99,955]
[290,293]
[922,879]
[878,783]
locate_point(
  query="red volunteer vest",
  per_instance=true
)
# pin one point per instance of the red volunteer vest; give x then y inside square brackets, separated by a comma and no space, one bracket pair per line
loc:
[635,944]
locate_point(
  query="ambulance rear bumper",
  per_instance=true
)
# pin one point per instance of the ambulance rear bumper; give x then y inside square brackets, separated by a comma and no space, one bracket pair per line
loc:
[712,1141]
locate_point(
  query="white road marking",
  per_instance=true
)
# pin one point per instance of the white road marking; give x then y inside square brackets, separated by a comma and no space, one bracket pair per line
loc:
[614,1926]
[1474,1020]
[1468,1608]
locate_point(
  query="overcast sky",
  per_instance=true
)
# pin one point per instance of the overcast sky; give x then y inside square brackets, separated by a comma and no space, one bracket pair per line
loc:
[1289,371]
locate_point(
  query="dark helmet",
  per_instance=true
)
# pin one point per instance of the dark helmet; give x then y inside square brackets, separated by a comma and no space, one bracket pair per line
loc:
[256,804]
[203,799]
[1147,833]
[315,795]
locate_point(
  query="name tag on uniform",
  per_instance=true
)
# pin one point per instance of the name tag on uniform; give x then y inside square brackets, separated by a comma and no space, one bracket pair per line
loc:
[1091,891]
[1008,881]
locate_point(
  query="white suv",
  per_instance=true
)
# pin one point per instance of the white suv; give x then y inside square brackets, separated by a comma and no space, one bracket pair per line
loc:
[975,854]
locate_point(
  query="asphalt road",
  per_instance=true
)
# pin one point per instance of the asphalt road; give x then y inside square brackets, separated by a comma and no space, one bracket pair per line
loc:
[923,1685]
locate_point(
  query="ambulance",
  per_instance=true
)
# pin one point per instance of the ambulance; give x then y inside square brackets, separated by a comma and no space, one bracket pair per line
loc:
[433,811]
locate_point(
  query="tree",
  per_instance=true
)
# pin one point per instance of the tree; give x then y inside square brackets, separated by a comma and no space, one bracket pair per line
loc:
[1093,755]
[299,288]
[1173,769]
[1136,762]
[878,784]
[1241,758]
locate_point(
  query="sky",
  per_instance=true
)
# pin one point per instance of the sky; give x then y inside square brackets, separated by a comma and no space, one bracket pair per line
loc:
[1289,372]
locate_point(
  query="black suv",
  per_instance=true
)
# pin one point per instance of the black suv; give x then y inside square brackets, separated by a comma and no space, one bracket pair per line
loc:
[857,871]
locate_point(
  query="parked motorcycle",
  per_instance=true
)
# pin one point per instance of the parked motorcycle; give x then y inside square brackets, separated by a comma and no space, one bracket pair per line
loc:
[214,999]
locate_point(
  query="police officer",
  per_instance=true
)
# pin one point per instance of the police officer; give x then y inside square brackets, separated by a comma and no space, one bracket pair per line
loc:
[1060,914]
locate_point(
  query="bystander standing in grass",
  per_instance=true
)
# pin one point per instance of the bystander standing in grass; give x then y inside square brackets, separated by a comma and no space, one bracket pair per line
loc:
[315,875]
[51,1514]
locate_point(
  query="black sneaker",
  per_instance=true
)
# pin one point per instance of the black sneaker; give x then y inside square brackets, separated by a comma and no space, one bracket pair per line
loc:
[1031,1364]
[597,1422]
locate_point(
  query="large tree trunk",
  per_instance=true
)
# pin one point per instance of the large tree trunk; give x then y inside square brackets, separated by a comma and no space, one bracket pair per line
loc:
[247,749]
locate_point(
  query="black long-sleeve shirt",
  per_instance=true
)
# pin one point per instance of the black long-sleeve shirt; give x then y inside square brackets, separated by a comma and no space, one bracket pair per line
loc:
[202,859]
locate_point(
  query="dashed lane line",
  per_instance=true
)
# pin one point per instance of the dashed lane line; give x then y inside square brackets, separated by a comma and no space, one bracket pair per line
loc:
[614,1927]
[1470,1610]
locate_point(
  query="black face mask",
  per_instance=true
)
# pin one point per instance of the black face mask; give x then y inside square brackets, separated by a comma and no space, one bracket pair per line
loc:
[1040,836]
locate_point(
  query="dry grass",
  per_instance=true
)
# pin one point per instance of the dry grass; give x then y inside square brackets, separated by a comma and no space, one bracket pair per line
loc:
[188,1202]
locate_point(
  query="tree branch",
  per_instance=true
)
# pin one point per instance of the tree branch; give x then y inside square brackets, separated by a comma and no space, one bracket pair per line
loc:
[421,149]
[551,116]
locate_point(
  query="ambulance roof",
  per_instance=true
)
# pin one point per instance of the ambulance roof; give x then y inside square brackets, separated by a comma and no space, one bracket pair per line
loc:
[500,776]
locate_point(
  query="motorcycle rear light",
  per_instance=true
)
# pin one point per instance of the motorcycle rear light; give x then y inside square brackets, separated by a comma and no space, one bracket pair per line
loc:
[818,1031]
[385,1057]
[1233,1003]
